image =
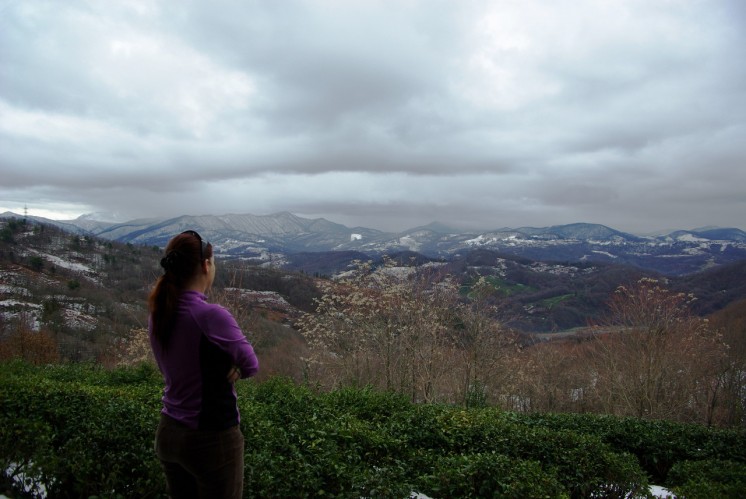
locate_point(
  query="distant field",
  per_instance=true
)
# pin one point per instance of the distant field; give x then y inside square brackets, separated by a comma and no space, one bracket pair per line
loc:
[503,286]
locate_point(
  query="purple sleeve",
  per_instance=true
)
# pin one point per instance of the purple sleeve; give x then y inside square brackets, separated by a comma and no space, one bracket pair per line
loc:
[222,329]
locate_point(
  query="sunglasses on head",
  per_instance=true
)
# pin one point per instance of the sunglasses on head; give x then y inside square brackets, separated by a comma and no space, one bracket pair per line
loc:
[202,243]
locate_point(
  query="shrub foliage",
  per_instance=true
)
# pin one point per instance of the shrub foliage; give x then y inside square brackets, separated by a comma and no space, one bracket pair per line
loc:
[79,430]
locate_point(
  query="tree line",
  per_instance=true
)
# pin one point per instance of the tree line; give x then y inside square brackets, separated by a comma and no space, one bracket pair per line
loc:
[650,356]
[414,330]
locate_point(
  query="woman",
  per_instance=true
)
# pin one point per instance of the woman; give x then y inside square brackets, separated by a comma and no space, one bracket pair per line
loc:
[201,352]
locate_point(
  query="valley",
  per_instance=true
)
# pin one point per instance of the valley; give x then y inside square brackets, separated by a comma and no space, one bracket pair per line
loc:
[549,280]
[529,329]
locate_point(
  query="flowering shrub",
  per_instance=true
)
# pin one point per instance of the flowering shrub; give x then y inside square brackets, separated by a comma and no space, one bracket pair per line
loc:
[411,333]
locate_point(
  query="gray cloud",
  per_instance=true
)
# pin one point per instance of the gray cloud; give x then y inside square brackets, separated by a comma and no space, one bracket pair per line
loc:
[389,115]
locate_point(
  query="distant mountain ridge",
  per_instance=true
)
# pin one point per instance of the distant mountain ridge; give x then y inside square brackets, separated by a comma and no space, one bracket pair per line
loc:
[277,235]
[566,288]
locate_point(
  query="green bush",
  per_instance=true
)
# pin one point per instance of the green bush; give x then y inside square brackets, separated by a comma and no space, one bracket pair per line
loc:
[490,475]
[584,464]
[75,438]
[81,430]
[367,404]
[709,478]
[304,444]
[657,444]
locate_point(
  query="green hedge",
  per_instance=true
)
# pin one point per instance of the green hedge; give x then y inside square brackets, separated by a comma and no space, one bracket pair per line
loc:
[81,431]
[658,445]
[491,475]
[708,478]
[84,431]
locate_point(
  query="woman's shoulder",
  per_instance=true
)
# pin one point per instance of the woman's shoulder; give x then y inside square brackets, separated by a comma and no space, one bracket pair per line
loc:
[212,310]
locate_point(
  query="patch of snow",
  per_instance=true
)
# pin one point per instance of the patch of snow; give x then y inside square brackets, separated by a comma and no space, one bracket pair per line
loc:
[262,297]
[605,253]
[690,238]
[14,290]
[31,486]
[348,274]
[77,320]
[660,492]
[32,319]
[77,267]
[697,250]
[432,264]
[19,304]
[83,269]
[410,243]
[356,237]
[398,272]
[480,239]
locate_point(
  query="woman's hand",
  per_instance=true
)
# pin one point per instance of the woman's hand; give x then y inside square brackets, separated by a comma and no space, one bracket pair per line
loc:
[234,374]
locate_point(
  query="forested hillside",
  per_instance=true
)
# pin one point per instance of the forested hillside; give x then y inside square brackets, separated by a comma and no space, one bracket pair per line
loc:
[78,295]
[484,329]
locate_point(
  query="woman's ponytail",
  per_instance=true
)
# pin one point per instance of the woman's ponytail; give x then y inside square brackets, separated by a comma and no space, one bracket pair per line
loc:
[162,304]
[180,263]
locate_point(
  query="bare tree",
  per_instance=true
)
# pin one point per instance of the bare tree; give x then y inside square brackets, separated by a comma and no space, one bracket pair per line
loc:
[356,335]
[730,407]
[23,342]
[655,358]
[133,348]
[408,331]
[486,349]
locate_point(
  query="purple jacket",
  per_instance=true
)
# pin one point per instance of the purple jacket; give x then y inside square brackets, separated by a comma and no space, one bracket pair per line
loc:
[205,343]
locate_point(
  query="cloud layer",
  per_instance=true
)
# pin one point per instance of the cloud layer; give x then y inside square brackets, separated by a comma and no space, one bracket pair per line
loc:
[384,114]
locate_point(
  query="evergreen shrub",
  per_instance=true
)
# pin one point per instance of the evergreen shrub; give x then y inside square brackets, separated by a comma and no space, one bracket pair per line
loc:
[657,444]
[491,475]
[80,430]
[708,478]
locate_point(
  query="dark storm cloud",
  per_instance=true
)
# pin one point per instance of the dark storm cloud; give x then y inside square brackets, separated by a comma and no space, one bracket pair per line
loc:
[475,113]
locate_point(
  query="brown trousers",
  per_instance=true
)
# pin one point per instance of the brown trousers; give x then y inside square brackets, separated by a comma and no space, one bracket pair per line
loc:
[200,463]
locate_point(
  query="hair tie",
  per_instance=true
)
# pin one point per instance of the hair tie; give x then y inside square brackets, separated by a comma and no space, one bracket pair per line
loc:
[170,261]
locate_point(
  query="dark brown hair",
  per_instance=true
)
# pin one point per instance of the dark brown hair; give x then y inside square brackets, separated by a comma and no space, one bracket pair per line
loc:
[181,262]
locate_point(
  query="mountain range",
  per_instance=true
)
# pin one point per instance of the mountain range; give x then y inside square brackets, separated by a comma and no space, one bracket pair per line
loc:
[87,276]
[285,238]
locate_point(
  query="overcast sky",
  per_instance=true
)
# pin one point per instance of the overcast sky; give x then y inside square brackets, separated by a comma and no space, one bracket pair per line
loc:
[384,114]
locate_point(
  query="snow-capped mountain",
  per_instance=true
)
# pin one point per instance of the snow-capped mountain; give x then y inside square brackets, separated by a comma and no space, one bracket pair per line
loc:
[580,273]
[280,234]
